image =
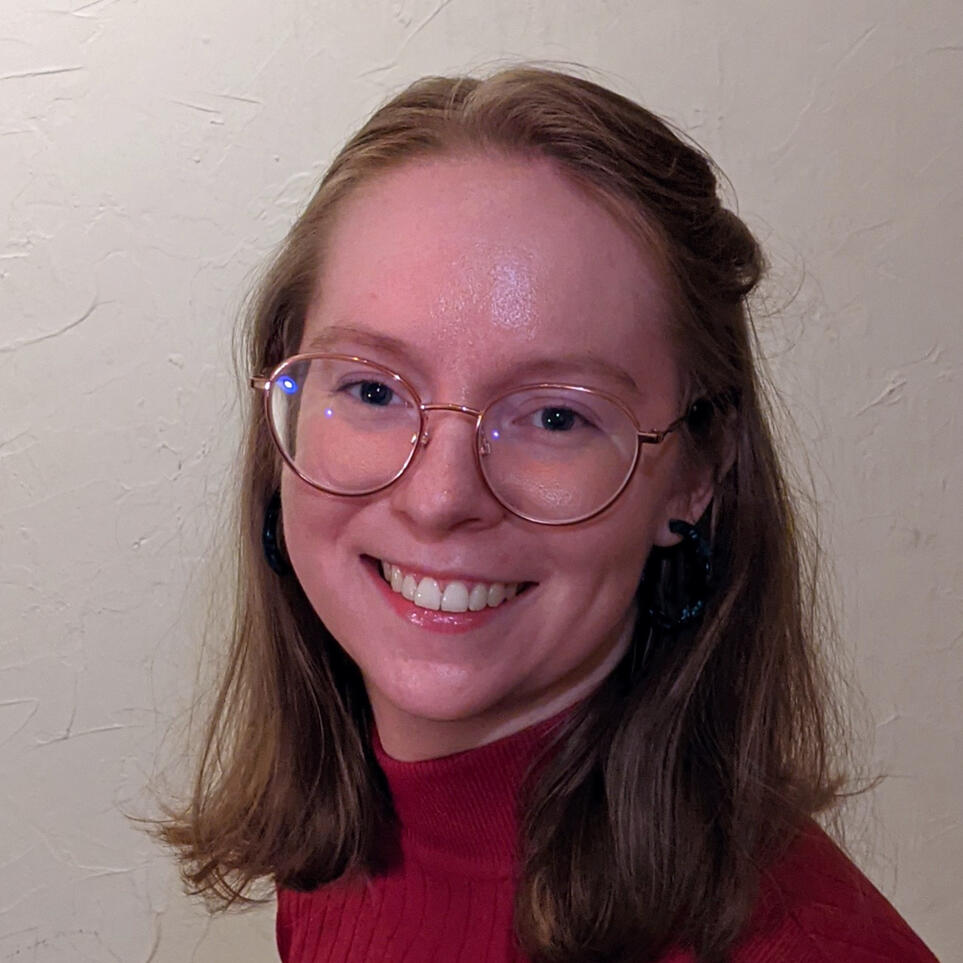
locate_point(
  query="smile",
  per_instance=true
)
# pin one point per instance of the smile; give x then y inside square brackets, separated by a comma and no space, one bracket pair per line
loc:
[448,596]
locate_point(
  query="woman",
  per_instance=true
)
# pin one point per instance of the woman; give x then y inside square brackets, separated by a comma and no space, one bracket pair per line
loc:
[524,663]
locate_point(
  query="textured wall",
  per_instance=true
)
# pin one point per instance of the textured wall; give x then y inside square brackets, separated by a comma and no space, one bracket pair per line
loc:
[152,152]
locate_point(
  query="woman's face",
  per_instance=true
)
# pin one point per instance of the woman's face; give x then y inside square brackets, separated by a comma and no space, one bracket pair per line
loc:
[469,276]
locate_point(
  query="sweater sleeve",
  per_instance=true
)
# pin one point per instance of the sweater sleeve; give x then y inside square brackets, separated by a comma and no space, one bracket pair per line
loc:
[817,907]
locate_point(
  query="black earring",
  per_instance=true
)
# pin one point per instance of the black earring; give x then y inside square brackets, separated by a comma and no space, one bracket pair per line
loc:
[675,586]
[270,541]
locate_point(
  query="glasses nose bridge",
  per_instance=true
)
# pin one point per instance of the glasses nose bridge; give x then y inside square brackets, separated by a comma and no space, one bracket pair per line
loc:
[425,435]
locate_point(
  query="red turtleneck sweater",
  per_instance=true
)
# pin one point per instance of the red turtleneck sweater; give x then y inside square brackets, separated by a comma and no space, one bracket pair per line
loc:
[449,896]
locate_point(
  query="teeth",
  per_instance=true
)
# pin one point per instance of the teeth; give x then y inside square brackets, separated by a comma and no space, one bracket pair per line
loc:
[428,595]
[456,596]
[478,598]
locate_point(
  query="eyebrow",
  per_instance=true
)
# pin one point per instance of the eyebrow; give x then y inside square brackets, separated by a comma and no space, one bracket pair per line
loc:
[557,366]
[333,335]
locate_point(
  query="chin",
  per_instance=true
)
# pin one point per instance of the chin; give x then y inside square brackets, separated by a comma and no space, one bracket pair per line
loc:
[443,694]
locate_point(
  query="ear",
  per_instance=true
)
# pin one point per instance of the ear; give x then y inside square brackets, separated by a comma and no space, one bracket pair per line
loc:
[694,491]
[698,479]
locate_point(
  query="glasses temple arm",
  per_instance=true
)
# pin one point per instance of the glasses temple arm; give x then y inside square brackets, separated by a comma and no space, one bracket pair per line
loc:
[656,437]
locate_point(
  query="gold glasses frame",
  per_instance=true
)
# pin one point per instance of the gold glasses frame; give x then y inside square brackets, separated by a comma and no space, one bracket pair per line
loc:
[265,382]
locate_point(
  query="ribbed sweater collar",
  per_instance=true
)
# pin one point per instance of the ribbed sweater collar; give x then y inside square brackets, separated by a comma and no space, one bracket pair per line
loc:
[460,812]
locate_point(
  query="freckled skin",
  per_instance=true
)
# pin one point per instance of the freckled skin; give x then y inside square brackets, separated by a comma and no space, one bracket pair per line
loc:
[480,264]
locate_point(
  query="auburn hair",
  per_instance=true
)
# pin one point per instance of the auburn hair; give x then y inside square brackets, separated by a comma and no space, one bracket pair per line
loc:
[673,785]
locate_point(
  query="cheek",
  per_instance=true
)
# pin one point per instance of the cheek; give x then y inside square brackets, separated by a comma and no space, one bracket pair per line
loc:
[300,516]
[312,522]
[612,550]
[609,552]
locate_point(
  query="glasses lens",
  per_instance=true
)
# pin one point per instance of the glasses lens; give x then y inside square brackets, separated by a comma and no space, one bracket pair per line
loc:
[557,454]
[347,426]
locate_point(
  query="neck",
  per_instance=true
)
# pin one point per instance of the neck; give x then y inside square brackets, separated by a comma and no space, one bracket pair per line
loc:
[461,812]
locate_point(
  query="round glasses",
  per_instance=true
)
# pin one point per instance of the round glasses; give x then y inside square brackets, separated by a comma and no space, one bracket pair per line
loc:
[554,454]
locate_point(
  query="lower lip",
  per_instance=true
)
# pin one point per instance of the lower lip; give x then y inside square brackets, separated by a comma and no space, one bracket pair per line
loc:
[451,623]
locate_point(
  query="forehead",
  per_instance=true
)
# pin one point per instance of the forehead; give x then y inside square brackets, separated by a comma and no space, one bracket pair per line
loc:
[482,264]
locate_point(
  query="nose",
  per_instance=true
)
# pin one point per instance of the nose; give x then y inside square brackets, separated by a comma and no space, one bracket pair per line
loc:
[443,490]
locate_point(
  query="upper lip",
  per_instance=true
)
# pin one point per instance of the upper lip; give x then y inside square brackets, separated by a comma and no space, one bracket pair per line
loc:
[454,574]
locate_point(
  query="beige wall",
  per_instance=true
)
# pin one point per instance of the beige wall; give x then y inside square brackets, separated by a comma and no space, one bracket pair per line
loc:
[152,152]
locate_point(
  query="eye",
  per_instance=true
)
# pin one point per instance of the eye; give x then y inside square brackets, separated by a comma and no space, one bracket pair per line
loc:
[559,419]
[551,415]
[374,393]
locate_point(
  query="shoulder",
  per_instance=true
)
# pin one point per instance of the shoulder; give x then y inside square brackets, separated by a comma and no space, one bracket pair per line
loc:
[815,906]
